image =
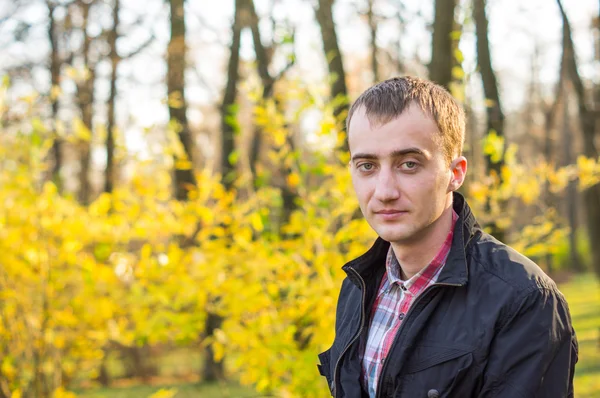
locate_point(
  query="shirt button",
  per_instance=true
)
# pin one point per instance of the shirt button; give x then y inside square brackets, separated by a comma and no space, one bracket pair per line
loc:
[403,287]
[401,316]
[433,394]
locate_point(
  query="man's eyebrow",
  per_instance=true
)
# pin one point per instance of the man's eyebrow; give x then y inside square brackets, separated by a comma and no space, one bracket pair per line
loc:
[368,156]
[408,151]
[395,154]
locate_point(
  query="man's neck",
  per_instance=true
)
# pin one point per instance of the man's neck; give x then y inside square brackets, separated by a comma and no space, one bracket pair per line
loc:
[416,255]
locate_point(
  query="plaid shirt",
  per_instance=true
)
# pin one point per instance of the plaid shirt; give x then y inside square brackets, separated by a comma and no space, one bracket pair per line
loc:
[394,298]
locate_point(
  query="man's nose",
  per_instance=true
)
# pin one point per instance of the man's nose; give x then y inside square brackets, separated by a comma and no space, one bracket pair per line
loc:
[386,188]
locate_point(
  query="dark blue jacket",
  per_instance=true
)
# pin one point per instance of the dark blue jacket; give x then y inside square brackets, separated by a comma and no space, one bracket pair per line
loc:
[493,325]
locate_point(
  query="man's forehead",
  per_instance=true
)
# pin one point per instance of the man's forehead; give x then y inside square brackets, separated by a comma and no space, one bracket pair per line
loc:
[376,119]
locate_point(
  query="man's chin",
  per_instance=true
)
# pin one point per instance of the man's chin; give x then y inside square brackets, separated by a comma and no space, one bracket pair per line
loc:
[394,236]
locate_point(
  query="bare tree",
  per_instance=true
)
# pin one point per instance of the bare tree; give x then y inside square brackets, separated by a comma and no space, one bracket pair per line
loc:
[176,64]
[550,114]
[110,125]
[372,21]
[587,119]
[263,58]
[495,116]
[398,61]
[55,65]
[442,43]
[230,93]
[213,370]
[571,203]
[85,102]
[262,63]
[339,91]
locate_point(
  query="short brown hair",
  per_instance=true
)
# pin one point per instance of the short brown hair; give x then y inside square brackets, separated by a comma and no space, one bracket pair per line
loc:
[386,101]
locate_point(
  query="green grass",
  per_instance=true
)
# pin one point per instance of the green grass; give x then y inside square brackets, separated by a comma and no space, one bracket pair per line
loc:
[183,391]
[583,295]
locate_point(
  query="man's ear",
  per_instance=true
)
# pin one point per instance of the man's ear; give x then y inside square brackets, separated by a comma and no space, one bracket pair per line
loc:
[458,168]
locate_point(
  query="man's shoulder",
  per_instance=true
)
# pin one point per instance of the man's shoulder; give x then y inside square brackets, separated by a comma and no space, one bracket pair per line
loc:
[491,258]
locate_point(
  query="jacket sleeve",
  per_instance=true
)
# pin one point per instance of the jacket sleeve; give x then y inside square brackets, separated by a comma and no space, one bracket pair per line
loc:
[534,351]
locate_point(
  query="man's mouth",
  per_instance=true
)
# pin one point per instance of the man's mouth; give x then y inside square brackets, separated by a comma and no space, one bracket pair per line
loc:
[390,214]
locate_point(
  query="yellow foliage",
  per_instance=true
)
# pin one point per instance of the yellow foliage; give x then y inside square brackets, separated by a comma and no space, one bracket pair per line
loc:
[175,100]
[293,180]
[62,393]
[81,131]
[493,146]
[164,393]
[588,172]
[138,267]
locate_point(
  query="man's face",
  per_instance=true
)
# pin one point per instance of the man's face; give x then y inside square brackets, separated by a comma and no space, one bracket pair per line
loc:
[402,180]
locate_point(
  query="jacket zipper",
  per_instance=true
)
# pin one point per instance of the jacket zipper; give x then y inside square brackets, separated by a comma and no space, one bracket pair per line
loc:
[360,329]
[410,310]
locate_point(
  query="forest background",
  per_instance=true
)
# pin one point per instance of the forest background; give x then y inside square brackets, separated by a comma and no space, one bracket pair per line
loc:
[175,206]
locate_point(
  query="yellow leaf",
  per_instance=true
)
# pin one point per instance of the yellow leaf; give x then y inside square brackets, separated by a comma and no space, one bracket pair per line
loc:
[175,100]
[458,73]
[489,103]
[55,92]
[101,206]
[218,350]
[81,131]
[62,393]
[588,172]
[293,180]
[183,164]
[7,369]
[493,146]
[256,221]
[164,393]
[279,136]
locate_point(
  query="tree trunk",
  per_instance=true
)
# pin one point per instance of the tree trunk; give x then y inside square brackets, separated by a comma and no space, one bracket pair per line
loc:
[103,376]
[324,15]
[55,64]
[176,54]
[262,64]
[571,204]
[550,115]
[399,62]
[85,100]
[587,118]
[213,370]
[263,61]
[596,27]
[373,30]
[228,105]
[138,362]
[442,43]
[495,117]
[111,125]
[268,82]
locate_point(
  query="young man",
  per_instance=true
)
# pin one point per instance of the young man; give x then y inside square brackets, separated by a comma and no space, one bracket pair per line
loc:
[436,308]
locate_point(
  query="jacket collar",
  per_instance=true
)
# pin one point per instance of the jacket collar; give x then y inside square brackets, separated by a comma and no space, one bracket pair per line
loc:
[455,270]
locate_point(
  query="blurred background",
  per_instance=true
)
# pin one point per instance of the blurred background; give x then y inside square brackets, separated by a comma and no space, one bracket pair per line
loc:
[175,205]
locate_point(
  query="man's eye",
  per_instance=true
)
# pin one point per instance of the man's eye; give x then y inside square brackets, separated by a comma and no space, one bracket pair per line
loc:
[409,165]
[366,167]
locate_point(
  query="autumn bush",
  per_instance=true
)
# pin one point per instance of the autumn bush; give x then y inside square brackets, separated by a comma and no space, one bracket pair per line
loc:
[137,267]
